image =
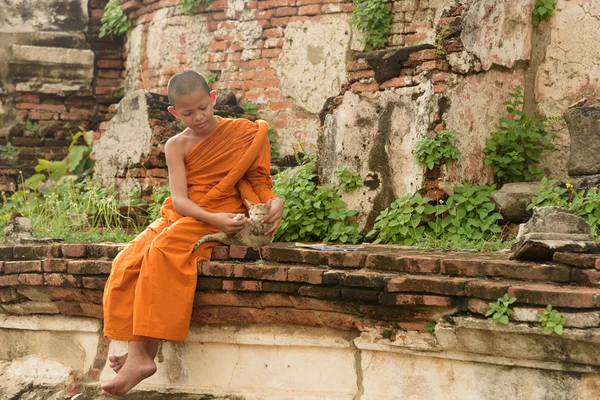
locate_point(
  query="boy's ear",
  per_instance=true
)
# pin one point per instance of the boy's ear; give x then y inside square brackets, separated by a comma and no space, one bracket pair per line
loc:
[249,203]
[213,97]
[173,111]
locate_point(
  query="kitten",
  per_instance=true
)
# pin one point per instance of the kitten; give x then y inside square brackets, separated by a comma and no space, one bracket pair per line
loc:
[252,234]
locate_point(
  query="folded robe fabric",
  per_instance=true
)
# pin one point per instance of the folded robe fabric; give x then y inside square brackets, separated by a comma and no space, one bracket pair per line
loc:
[151,287]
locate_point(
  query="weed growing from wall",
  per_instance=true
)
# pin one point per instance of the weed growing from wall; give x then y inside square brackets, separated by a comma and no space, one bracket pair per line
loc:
[542,10]
[349,180]
[114,21]
[500,310]
[312,212]
[552,321]
[374,19]
[437,149]
[188,5]
[514,150]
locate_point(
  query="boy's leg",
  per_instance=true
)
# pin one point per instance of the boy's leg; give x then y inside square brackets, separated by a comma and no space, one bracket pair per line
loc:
[139,365]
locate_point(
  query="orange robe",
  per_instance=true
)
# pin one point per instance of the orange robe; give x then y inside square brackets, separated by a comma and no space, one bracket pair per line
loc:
[150,291]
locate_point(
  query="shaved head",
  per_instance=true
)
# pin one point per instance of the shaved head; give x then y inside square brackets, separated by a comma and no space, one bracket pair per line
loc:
[186,83]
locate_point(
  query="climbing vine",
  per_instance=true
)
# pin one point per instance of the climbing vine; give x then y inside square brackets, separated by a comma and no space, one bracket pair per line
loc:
[114,21]
[374,19]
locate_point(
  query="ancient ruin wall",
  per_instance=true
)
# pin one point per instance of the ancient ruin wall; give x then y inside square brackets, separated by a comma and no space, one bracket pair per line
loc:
[54,72]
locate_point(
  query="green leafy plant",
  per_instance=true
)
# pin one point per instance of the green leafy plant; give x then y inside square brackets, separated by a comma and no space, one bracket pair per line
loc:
[77,160]
[430,327]
[159,195]
[348,179]
[514,150]
[542,10]
[119,94]
[501,309]
[32,126]
[9,152]
[114,20]
[552,321]
[374,19]
[250,108]
[404,222]
[273,143]
[188,5]
[212,78]
[470,214]
[437,149]
[312,212]
[439,41]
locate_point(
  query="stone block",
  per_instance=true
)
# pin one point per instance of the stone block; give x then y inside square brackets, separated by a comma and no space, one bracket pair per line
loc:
[550,230]
[512,201]
[50,69]
[584,132]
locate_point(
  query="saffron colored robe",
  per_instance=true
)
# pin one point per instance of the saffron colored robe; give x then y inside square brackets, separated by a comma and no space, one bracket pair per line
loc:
[151,287]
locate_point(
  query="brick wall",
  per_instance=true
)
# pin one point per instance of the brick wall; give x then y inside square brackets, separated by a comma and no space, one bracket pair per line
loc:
[60,114]
[342,290]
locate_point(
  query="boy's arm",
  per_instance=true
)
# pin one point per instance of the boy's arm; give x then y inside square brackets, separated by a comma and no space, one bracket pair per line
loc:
[179,196]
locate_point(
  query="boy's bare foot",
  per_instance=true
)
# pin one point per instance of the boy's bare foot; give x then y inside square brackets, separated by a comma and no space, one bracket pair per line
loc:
[116,362]
[134,370]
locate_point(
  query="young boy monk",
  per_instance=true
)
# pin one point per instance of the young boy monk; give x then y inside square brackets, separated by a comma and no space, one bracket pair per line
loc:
[214,165]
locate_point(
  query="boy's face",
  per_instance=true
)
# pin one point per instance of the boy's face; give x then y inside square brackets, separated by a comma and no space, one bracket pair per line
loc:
[196,111]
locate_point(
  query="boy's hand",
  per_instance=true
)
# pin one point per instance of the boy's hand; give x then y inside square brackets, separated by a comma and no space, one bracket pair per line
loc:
[227,224]
[275,206]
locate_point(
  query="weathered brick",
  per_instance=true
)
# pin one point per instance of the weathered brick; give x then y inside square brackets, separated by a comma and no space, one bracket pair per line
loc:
[67,294]
[31,279]
[240,285]
[401,81]
[486,289]
[587,276]
[295,255]
[364,295]
[89,267]
[427,284]
[285,316]
[274,300]
[477,306]
[222,315]
[35,252]
[308,275]
[338,321]
[220,253]
[6,252]
[505,268]
[16,267]
[364,87]
[9,280]
[69,308]
[216,269]
[103,250]
[243,253]
[73,250]
[234,299]
[558,296]
[64,280]
[275,273]
[415,264]
[358,65]
[54,265]
[92,310]
[94,282]
[576,259]
[282,287]
[208,284]
[414,299]
[423,55]
[9,294]
[334,277]
[346,259]
[320,292]
[364,279]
